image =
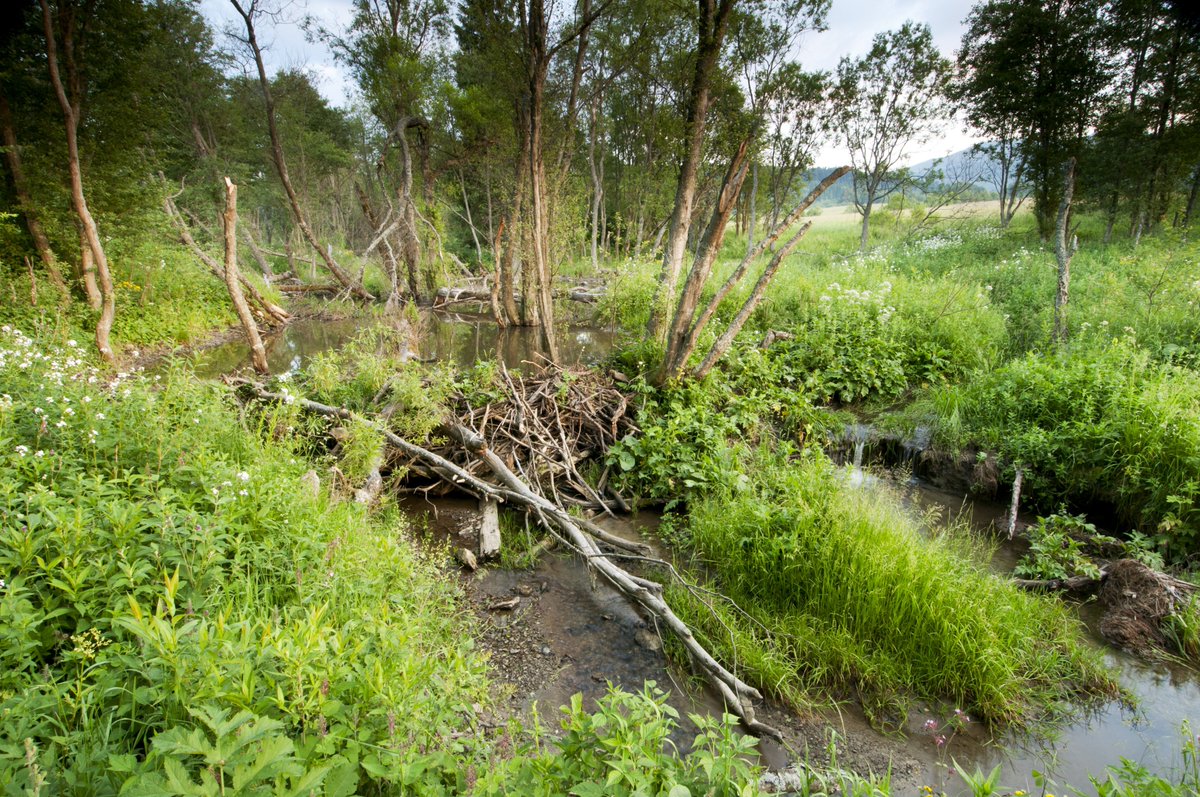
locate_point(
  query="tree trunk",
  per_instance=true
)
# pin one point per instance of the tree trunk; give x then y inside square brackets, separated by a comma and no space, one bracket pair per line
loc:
[281,164]
[706,255]
[470,223]
[25,202]
[866,224]
[752,202]
[1191,202]
[90,232]
[679,362]
[597,179]
[539,64]
[258,354]
[87,271]
[1063,253]
[410,242]
[713,21]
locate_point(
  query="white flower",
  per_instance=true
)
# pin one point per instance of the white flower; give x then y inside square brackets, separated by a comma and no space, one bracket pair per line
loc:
[72,343]
[22,450]
[87,399]
[243,493]
[60,424]
[99,416]
[243,476]
[39,453]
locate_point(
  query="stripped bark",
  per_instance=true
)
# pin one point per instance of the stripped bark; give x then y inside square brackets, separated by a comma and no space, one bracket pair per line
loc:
[71,111]
[713,21]
[247,14]
[258,355]
[1016,502]
[264,265]
[691,329]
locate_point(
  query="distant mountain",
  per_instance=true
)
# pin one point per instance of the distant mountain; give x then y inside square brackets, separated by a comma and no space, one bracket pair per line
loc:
[957,165]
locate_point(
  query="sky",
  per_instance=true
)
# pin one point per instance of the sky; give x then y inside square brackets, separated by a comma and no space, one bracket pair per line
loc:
[852,25]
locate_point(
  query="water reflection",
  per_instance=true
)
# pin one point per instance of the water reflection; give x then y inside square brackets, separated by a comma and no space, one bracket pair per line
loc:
[459,338]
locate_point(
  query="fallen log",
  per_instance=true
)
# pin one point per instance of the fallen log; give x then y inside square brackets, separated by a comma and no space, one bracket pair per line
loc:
[569,529]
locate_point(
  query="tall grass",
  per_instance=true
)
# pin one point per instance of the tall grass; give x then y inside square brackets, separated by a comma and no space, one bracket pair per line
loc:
[853,599]
[1101,423]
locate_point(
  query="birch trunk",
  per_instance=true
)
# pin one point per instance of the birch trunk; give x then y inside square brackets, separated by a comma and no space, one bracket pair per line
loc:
[1063,253]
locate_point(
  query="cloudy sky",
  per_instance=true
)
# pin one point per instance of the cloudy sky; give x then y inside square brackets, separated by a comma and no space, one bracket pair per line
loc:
[852,25]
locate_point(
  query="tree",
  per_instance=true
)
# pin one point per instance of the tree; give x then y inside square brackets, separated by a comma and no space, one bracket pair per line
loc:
[248,14]
[1034,71]
[893,97]
[70,104]
[395,51]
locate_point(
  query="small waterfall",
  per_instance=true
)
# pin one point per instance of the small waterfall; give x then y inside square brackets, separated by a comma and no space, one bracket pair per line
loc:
[858,433]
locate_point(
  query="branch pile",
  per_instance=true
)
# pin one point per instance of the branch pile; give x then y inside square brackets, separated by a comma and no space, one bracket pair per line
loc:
[546,427]
[502,484]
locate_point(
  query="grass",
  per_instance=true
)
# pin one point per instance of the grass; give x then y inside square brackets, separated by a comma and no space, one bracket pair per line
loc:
[854,600]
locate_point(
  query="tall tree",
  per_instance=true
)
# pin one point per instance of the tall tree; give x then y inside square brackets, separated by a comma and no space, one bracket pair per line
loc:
[885,102]
[68,19]
[249,13]
[1034,71]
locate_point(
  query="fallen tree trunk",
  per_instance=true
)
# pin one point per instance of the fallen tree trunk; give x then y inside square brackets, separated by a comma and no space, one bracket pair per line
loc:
[579,534]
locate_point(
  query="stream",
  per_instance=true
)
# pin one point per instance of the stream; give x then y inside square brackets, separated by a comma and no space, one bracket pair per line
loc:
[570,634]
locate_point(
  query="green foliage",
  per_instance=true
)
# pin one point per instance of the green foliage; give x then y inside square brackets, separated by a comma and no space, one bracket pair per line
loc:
[170,586]
[378,365]
[1100,423]
[1131,779]
[847,592]
[1056,549]
[624,749]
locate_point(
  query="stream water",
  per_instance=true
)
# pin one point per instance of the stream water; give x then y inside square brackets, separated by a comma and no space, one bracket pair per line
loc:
[588,636]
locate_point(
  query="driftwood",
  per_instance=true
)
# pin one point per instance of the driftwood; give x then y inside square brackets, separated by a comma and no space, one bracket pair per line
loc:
[580,535]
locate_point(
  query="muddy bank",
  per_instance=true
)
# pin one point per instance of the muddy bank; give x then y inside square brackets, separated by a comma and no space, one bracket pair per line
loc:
[569,633]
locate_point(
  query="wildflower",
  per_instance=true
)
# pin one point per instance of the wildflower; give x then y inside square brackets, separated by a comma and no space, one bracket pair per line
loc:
[216,492]
[60,424]
[243,493]
[72,343]
[39,453]
[87,399]
[2,584]
[22,450]
[243,476]
[100,416]
[930,725]
[940,740]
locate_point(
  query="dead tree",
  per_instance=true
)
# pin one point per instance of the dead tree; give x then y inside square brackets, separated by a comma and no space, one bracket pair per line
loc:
[71,110]
[1064,252]
[247,14]
[258,354]
[269,310]
[689,321]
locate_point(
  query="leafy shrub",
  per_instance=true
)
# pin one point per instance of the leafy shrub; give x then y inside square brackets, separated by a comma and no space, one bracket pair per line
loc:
[170,586]
[1098,424]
